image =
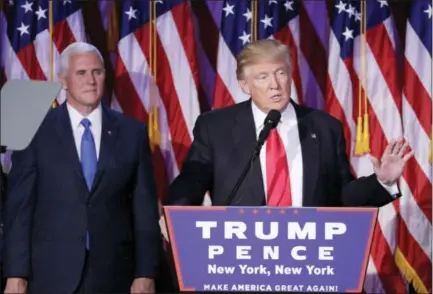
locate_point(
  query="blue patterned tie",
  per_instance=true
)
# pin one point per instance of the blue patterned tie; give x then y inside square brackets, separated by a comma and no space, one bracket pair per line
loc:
[88,159]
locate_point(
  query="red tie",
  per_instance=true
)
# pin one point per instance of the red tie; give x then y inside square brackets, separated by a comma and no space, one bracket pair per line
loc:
[277,172]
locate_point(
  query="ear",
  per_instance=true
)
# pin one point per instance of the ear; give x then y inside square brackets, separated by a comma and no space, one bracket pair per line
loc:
[245,87]
[62,79]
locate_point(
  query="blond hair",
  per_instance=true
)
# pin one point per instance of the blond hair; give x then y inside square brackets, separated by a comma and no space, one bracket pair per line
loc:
[261,50]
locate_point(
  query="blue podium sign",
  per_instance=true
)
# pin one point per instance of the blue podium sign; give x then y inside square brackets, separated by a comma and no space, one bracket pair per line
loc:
[270,249]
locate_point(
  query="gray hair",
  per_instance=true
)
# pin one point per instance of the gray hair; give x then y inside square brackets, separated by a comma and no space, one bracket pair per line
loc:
[77,47]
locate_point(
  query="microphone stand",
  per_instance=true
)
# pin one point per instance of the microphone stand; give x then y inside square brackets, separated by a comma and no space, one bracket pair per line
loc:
[271,122]
[244,173]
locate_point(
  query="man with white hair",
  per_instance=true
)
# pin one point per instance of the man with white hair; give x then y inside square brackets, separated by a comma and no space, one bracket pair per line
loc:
[303,161]
[81,214]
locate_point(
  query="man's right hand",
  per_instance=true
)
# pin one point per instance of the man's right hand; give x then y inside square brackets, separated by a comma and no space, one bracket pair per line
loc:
[16,285]
[163,227]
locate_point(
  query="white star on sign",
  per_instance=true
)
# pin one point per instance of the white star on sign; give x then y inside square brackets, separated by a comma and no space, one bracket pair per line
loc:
[341,7]
[41,13]
[351,11]
[245,38]
[66,1]
[428,11]
[288,5]
[348,34]
[272,1]
[247,14]
[229,9]
[27,7]
[267,21]
[357,16]
[131,13]
[382,3]
[23,29]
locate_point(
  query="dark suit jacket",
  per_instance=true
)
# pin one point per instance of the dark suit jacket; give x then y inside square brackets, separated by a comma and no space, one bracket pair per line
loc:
[224,140]
[49,209]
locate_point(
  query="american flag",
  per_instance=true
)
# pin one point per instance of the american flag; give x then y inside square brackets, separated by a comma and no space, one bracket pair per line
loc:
[171,89]
[415,230]
[26,44]
[348,60]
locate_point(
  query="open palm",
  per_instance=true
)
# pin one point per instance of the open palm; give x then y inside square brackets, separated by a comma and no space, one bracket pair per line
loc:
[390,167]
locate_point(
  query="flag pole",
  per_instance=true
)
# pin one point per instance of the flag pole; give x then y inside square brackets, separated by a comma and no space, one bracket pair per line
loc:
[359,136]
[154,84]
[253,20]
[150,117]
[153,126]
[50,29]
[430,149]
[366,131]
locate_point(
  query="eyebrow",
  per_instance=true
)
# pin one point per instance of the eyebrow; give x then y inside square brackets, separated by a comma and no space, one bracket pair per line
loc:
[262,73]
[86,69]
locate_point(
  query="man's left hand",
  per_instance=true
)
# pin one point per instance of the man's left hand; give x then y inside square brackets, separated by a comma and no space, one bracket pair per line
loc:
[143,285]
[390,167]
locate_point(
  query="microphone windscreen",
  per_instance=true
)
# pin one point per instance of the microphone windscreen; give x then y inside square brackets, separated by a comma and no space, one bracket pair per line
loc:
[273,118]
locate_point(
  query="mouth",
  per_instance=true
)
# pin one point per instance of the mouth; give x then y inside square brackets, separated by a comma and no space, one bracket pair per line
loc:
[276,98]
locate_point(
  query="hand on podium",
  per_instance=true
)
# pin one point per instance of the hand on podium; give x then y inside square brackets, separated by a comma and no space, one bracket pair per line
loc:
[163,227]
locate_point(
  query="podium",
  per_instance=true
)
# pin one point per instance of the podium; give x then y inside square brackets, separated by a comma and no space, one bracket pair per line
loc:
[258,249]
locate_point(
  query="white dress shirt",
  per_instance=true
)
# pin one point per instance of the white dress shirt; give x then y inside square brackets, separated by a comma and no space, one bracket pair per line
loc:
[289,132]
[95,118]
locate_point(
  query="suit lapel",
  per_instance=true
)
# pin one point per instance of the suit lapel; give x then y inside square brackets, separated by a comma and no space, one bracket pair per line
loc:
[66,139]
[310,153]
[245,139]
[109,133]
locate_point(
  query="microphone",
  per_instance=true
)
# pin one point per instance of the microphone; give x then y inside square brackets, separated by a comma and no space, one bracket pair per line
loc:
[271,121]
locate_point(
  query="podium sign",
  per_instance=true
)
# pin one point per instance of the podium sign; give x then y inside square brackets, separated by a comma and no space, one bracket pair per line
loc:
[270,249]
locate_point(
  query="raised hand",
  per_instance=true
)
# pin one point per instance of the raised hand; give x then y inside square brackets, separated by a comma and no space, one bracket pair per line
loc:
[390,167]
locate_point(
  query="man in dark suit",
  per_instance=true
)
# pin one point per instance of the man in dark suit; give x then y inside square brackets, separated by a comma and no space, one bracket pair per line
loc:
[2,197]
[303,161]
[82,212]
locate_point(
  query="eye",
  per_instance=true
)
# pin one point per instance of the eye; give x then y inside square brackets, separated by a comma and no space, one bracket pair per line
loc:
[81,72]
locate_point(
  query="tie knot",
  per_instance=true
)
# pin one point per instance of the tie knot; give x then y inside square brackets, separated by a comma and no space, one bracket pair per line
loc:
[86,123]
[274,131]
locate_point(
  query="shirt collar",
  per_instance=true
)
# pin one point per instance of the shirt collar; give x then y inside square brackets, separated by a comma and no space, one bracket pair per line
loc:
[94,117]
[287,115]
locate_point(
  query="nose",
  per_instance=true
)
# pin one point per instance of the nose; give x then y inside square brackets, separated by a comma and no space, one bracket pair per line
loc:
[273,83]
[91,78]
